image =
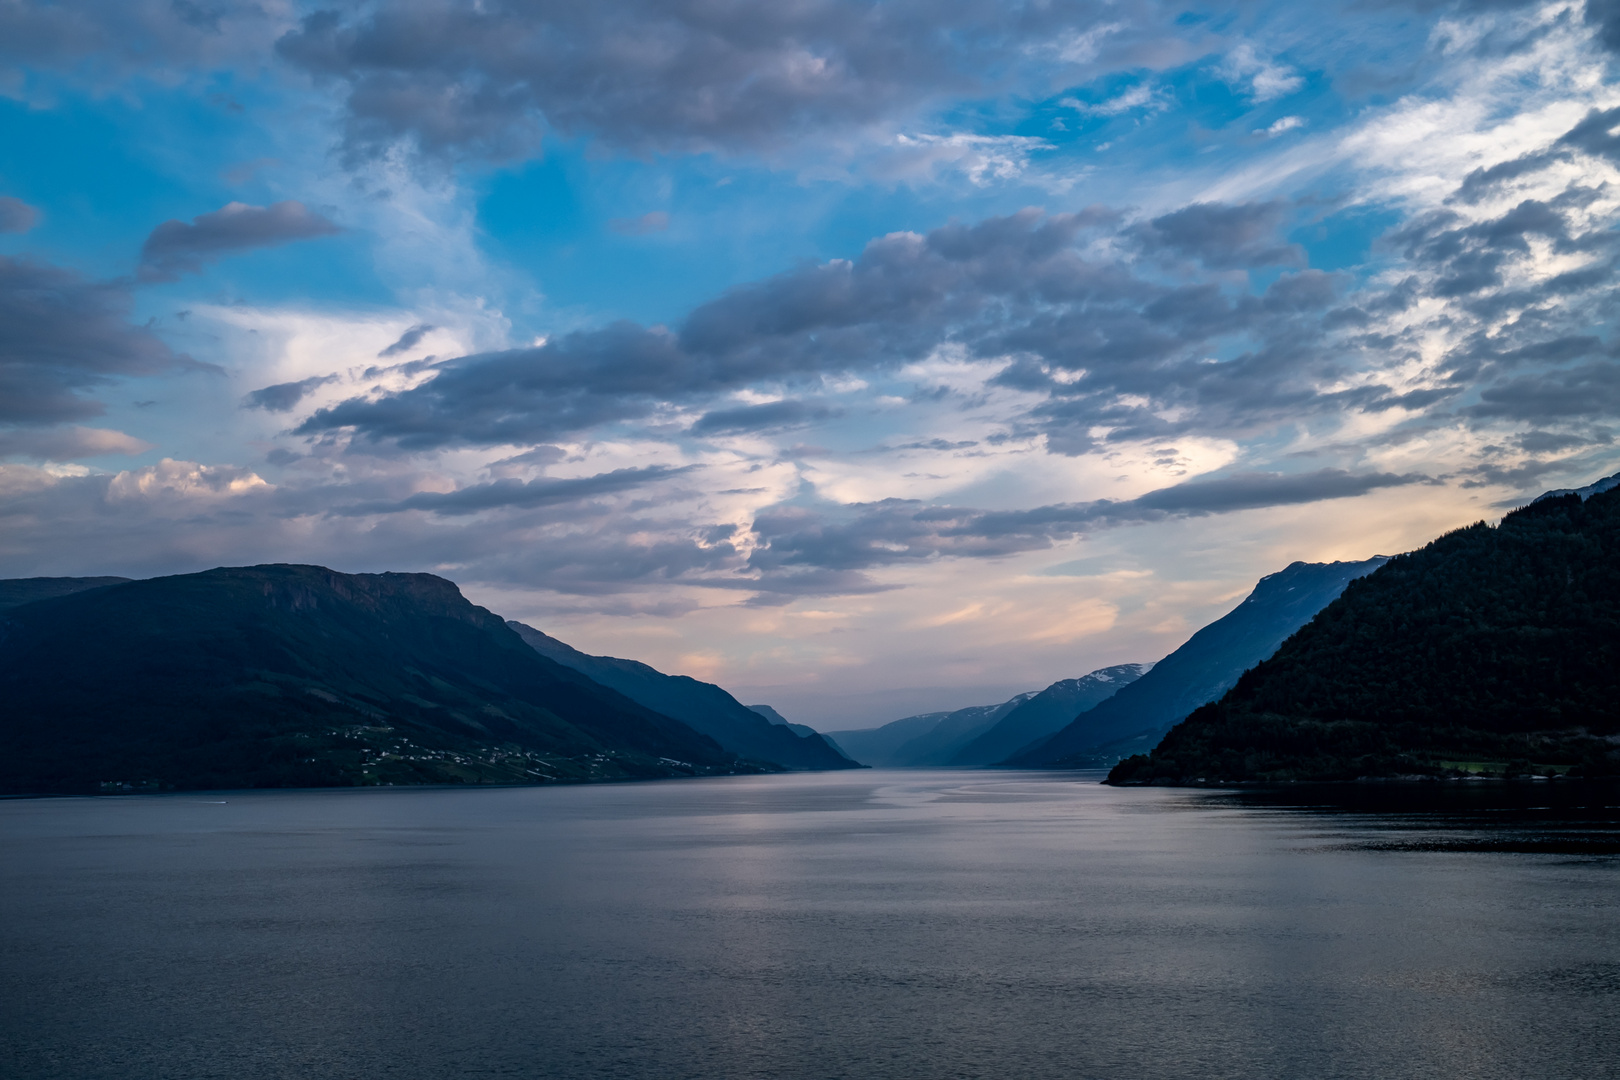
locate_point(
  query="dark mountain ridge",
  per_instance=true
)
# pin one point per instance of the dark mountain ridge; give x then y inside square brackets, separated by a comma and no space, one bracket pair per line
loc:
[777,718]
[702,706]
[1201,670]
[983,734]
[280,675]
[1492,650]
[926,739]
[17,591]
[1046,713]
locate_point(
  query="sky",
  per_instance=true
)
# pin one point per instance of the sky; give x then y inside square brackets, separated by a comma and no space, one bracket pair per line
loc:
[865,358]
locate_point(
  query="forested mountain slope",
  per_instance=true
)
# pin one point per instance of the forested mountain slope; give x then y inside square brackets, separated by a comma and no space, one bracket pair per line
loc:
[703,706]
[1490,649]
[296,676]
[1202,669]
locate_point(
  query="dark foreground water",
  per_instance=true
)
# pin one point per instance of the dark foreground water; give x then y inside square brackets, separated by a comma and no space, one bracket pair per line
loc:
[868,925]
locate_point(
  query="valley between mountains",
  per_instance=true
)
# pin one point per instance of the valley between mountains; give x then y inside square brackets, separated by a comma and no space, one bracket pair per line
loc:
[1493,651]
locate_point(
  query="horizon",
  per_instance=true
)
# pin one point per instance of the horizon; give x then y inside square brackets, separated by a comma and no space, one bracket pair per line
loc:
[914,366]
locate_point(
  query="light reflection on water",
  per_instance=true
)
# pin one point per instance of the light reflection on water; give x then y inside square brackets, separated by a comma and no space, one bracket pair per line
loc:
[878,924]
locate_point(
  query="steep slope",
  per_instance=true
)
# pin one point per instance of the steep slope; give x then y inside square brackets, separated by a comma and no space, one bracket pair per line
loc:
[1202,669]
[1046,713]
[300,676]
[954,730]
[875,746]
[926,739]
[16,591]
[777,718]
[702,706]
[1490,650]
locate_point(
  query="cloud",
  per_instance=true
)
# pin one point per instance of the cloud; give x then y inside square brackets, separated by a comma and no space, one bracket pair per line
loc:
[1587,392]
[125,36]
[1281,126]
[651,222]
[1015,286]
[901,531]
[1594,137]
[1605,15]
[61,335]
[409,340]
[67,444]
[175,247]
[518,494]
[1113,330]
[284,397]
[773,416]
[1135,97]
[1265,78]
[981,158]
[184,481]
[1222,236]
[16,216]
[487,80]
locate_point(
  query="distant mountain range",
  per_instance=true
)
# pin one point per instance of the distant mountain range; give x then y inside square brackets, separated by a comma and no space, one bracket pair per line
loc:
[301,676]
[1491,650]
[777,718]
[1038,717]
[983,734]
[700,705]
[1201,670]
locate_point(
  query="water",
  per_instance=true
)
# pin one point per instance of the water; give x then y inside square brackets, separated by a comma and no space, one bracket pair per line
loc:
[867,925]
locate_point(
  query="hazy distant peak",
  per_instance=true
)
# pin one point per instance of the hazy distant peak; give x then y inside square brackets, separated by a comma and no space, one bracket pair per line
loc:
[768,713]
[1596,487]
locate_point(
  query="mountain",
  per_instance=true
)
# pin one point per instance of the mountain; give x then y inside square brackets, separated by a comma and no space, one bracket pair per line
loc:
[1046,713]
[15,591]
[929,739]
[700,705]
[1202,669]
[945,738]
[777,718]
[1491,650]
[294,676]
[875,746]
[1596,487]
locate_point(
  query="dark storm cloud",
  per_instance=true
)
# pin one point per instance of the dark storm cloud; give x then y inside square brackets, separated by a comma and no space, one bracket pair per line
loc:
[660,75]
[502,494]
[284,397]
[772,416]
[407,341]
[16,216]
[61,335]
[176,247]
[898,531]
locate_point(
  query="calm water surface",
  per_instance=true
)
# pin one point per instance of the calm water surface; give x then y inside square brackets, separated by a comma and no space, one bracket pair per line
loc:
[868,925]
